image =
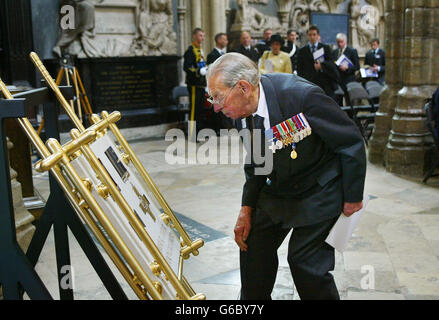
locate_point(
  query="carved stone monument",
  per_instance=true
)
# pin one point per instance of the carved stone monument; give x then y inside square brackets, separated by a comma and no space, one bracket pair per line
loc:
[112,28]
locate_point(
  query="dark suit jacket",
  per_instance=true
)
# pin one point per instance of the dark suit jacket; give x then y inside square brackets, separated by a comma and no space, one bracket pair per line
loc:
[213,56]
[293,58]
[252,54]
[331,164]
[379,59]
[328,78]
[262,46]
[348,75]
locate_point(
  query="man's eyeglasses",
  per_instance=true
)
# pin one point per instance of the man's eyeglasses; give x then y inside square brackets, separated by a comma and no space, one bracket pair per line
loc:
[220,101]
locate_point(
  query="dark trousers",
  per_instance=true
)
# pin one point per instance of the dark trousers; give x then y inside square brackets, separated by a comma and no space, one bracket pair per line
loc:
[197,99]
[309,256]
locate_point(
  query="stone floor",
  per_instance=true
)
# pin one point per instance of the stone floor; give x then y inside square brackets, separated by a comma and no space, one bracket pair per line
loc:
[396,241]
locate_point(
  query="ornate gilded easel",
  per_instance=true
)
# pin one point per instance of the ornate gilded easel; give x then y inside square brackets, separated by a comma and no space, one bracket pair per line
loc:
[17,273]
[103,197]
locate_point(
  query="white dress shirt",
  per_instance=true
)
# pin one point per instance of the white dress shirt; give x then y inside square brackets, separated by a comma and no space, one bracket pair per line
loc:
[262,110]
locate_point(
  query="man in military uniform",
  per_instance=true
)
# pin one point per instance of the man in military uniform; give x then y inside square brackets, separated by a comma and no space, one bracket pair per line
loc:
[195,67]
[318,172]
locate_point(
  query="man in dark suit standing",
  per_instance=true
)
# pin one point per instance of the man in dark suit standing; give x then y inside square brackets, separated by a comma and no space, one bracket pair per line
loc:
[309,185]
[376,60]
[246,48]
[221,42]
[264,44]
[347,72]
[218,120]
[322,73]
[292,49]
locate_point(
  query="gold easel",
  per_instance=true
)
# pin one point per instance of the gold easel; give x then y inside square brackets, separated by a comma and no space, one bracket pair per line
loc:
[58,157]
[69,71]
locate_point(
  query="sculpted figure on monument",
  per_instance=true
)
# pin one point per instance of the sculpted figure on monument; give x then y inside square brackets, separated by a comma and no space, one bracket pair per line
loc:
[155,35]
[79,40]
[364,21]
[252,20]
[300,15]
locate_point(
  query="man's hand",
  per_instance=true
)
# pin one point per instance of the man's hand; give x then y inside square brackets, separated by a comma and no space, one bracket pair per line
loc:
[350,208]
[343,67]
[375,68]
[242,227]
[317,65]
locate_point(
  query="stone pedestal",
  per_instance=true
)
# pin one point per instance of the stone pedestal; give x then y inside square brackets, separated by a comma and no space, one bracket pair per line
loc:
[410,144]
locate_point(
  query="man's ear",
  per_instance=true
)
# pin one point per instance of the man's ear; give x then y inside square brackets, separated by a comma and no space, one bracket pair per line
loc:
[244,87]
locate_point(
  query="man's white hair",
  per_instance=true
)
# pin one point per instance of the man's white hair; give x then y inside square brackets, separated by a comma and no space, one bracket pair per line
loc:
[233,67]
[341,36]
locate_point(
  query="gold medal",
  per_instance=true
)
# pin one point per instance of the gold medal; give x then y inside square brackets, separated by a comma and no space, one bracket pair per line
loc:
[294,154]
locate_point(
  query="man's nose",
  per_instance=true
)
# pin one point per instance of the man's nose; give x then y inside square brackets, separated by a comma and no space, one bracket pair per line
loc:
[217,108]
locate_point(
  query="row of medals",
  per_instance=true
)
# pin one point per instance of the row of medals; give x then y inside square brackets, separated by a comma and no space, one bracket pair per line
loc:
[292,138]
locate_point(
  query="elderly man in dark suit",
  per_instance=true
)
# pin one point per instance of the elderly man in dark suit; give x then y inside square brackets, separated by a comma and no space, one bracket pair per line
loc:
[347,72]
[309,185]
[322,73]
[246,48]
[376,59]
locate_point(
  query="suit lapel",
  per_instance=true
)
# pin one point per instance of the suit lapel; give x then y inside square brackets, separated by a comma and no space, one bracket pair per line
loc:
[274,111]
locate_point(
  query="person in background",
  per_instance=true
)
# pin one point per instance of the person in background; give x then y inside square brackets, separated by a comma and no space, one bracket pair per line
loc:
[216,120]
[264,44]
[376,60]
[221,42]
[246,48]
[323,73]
[275,60]
[194,65]
[347,72]
[291,48]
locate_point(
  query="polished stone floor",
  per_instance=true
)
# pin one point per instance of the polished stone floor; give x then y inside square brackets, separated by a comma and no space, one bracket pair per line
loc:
[396,241]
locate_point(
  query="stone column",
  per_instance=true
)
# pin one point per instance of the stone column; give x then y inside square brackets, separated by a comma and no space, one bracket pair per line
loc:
[394,33]
[410,144]
[181,12]
[196,14]
[218,16]
[23,219]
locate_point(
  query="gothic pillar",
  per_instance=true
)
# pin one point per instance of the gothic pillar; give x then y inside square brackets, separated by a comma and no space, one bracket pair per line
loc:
[410,144]
[196,14]
[181,12]
[218,17]
[394,34]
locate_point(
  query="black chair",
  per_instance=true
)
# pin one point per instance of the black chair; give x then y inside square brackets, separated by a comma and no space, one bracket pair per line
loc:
[180,96]
[363,115]
[374,89]
[431,125]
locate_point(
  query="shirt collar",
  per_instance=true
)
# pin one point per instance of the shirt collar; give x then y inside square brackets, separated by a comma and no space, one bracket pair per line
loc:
[317,44]
[219,50]
[262,110]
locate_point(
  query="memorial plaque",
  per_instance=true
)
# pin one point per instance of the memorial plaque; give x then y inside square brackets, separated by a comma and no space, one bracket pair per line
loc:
[118,85]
